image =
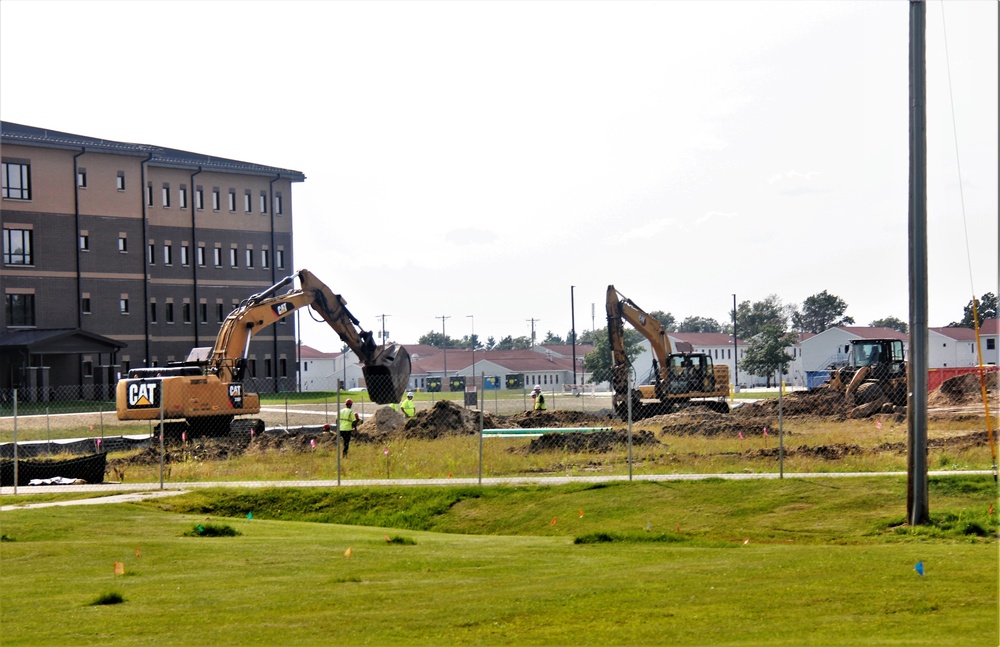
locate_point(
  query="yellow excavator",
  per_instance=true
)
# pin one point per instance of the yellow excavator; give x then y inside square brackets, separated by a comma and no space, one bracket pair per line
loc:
[680,379]
[209,394]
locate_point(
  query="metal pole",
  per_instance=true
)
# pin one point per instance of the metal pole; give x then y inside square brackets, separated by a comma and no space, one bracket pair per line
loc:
[736,351]
[917,506]
[472,342]
[482,402]
[572,323]
[628,381]
[15,441]
[781,429]
[161,441]
[444,347]
[337,427]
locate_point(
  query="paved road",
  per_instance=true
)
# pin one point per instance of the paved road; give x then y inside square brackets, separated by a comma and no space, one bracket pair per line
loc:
[127,492]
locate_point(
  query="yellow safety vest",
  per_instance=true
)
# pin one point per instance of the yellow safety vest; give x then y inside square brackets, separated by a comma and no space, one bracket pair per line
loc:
[409,408]
[346,418]
[540,402]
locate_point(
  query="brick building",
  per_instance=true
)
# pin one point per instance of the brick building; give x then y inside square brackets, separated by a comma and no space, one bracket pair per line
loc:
[120,255]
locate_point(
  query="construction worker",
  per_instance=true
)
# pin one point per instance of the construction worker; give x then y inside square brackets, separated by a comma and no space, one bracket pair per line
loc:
[539,398]
[409,408]
[348,422]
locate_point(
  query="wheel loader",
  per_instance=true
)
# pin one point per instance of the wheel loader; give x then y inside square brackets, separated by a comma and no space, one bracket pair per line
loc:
[208,394]
[877,369]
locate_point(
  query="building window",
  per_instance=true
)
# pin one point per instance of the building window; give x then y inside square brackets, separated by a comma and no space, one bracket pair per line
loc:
[84,242]
[201,255]
[263,202]
[186,312]
[17,247]
[166,196]
[81,178]
[277,204]
[149,194]
[218,256]
[199,199]
[249,254]
[233,258]
[168,256]
[280,259]
[20,309]
[123,305]
[991,343]
[232,200]
[182,197]
[88,368]
[120,181]
[122,243]
[16,181]
[185,255]
[203,313]
[264,259]
[219,314]
[267,367]
[151,254]
[85,304]
[152,312]
[215,199]
[248,202]
[282,367]
[168,313]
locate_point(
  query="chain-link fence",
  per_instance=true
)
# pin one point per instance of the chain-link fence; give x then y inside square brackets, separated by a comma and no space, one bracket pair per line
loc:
[189,427]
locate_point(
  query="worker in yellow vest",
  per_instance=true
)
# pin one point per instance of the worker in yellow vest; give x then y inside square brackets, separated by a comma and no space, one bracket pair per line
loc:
[539,398]
[348,422]
[409,408]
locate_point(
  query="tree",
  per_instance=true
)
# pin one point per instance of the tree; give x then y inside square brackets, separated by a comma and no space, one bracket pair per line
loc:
[437,340]
[820,312]
[699,324]
[598,361]
[751,318]
[986,307]
[766,354]
[590,336]
[491,343]
[470,342]
[513,343]
[666,320]
[891,322]
[553,339]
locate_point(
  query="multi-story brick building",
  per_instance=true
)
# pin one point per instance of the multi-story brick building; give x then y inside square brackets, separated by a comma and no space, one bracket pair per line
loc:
[119,255]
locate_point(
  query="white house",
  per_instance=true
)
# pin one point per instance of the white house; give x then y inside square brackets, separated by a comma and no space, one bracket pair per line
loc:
[321,371]
[951,348]
[989,338]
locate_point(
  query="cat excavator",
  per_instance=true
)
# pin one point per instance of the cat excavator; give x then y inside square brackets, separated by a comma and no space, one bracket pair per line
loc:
[680,379]
[209,393]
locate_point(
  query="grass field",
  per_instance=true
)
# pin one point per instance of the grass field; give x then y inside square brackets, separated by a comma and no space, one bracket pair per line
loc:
[793,562]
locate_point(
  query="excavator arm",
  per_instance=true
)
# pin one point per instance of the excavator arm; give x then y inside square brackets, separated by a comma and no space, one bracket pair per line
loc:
[386,368]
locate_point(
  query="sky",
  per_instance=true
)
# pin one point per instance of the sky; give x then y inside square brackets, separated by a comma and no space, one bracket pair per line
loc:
[475,166]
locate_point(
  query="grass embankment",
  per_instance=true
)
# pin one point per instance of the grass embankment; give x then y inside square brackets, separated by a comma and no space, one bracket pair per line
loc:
[795,562]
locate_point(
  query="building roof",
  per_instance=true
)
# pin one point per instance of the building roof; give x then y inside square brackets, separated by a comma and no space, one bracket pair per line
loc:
[58,341]
[704,338]
[958,334]
[308,352]
[12,133]
[989,327]
[876,332]
[515,361]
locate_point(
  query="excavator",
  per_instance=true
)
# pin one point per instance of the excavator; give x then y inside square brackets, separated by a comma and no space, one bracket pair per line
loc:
[209,394]
[680,379]
[877,370]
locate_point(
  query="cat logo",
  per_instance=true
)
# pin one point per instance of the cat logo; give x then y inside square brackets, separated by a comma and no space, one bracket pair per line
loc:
[236,395]
[282,309]
[143,394]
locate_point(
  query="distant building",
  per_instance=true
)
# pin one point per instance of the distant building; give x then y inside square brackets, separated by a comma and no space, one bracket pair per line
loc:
[119,255]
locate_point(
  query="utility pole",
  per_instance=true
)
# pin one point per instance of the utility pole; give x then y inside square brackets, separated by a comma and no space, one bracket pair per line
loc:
[444,347]
[472,342]
[532,330]
[736,352]
[382,317]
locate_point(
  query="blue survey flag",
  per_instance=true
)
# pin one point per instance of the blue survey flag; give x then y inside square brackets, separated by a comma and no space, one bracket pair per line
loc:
[919,568]
[250,515]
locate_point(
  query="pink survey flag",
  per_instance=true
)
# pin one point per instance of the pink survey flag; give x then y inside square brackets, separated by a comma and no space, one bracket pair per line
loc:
[312,442]
[765,432]
[878,424]
[741,435]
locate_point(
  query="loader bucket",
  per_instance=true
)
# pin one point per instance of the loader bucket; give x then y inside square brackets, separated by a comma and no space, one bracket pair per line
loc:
[388,375]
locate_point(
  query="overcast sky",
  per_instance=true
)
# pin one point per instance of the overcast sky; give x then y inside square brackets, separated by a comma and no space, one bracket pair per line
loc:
[479,158]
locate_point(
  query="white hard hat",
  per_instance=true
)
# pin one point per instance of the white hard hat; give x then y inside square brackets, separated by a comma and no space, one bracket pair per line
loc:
[537,388]
[409,394]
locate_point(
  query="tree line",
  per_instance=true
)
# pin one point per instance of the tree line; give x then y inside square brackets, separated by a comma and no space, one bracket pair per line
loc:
[768,327]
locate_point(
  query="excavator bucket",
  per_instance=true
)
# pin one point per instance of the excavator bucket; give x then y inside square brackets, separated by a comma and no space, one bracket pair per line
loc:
[388,375]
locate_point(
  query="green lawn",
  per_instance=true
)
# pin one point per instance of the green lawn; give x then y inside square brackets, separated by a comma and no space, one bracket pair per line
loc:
[797,562]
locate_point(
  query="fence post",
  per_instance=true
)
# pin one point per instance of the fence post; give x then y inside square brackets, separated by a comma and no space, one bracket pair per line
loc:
[15,441]
[781,432]
[48,432]
[482,401]
[629,391]
[161,441]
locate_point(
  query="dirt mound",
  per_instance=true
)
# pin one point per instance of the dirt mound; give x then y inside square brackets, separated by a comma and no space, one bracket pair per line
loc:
[386,419]
[963,390]
[446,418]
[532,419]
[821,401]
[591,441]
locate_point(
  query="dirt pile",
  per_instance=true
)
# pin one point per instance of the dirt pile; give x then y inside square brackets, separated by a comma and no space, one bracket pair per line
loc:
[963,390]
[533,419]
[386,419]
[446,418]
[590,441]
[702,422]
[821,401]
